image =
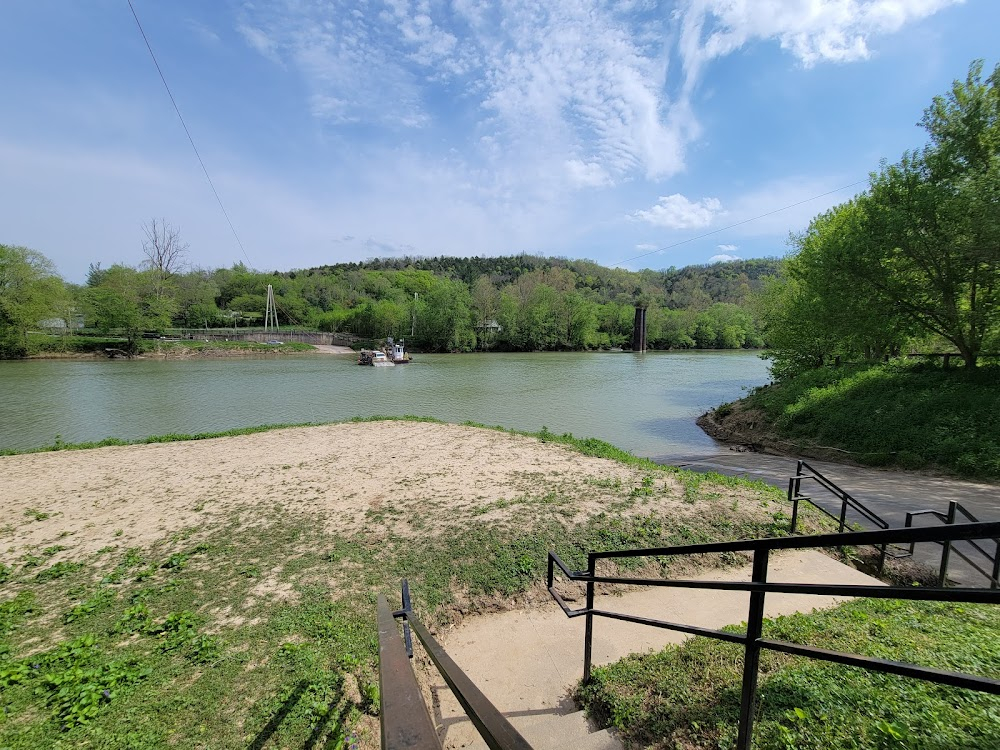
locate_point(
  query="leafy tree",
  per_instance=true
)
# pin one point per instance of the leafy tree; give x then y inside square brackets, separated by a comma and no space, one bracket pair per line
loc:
[30,290]
[792,325]
[125,302]
[933,220]
[485,308]
[445,319]
[918,252]
[196,293]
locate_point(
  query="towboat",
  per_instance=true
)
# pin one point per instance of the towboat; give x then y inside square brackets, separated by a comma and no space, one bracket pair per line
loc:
[397,352]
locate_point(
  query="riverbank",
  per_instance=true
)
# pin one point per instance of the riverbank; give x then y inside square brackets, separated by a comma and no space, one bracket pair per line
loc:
[225,588]
[175,349]
[898,415]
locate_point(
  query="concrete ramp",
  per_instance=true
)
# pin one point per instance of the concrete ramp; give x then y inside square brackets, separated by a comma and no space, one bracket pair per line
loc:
[528,661]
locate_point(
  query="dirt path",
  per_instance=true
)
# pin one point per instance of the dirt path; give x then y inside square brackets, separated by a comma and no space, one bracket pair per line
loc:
[331,349]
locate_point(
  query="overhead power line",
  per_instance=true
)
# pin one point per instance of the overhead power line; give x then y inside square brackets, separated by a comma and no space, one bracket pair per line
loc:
[738,223]
[188,132]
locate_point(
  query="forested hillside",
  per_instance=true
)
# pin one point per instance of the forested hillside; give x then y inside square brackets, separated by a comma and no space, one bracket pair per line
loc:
[509,303]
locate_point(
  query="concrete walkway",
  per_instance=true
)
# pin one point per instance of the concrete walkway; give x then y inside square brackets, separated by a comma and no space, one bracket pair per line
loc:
[528,661]
[890,494]
[333,349]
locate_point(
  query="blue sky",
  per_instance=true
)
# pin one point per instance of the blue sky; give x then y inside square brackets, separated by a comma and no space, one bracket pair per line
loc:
[338,131]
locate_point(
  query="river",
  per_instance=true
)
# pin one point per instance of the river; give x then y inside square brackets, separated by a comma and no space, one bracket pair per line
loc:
[645,403]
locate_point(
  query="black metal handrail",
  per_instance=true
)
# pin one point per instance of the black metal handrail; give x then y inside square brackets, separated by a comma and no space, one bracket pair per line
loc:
[759,587]
[954,508]
[847,501]
[403,724]
[406,723]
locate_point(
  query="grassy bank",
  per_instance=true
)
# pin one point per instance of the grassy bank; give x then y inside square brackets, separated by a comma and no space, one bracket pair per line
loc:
[688,696]
[911,416]
[256,629]
[42,345]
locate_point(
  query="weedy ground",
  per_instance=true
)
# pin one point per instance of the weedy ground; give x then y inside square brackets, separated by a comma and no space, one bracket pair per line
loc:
[688,696]
[256,627]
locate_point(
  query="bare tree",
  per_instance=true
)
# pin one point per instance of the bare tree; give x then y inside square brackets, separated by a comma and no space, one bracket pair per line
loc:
[163,247]
[164,251]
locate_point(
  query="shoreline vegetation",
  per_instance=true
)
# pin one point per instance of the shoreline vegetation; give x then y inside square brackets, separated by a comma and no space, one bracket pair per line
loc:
[42,346]
[904,415]
[440,304]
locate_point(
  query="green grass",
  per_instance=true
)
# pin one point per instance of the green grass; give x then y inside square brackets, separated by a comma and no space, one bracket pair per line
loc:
[910,416]
[42,344]
[260,631]
[586,446]
[688,696]
[166,347]
[60,445]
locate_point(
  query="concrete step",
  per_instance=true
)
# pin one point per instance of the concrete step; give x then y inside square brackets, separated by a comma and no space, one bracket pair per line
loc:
[542,731]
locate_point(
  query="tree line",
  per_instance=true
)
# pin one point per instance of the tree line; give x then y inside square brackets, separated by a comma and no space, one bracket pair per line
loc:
[510,303]
[914,261]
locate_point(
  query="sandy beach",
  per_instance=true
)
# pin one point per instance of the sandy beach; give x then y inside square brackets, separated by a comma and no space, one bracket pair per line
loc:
[335,474]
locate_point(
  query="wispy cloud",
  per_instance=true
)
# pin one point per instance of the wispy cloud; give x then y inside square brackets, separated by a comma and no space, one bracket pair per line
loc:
[728,248]
[544,99]
[575,89]
[203,33]
[814,31]
[678,212]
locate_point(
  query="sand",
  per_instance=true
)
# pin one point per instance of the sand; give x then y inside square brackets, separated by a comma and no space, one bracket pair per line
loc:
[137,495]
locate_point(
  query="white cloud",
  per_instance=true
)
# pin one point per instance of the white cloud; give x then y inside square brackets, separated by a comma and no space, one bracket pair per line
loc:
[572,94]
[645,246]
[722,258]
[814,31]
[260,41]
[544,99]
[677,212]
[586,175]
[728,248]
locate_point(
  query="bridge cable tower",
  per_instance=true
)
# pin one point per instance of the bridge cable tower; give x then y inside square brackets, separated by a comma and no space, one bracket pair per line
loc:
[271,312]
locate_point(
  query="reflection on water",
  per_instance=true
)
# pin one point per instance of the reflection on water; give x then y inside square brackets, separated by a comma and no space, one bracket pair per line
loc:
[643,403]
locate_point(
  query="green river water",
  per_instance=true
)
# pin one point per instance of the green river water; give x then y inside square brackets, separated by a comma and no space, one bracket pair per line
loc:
[644,403]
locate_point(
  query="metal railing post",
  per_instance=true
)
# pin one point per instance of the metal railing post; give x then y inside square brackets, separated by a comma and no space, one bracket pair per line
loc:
[751,659]
[793,498]
[946,548]
[407,607]
[843,513]
[588,638]
[995,583]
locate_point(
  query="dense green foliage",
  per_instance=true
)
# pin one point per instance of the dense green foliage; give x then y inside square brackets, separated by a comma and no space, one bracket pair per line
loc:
[30,291]
[688,696]
[905,415]
[521,303]
[914,259]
